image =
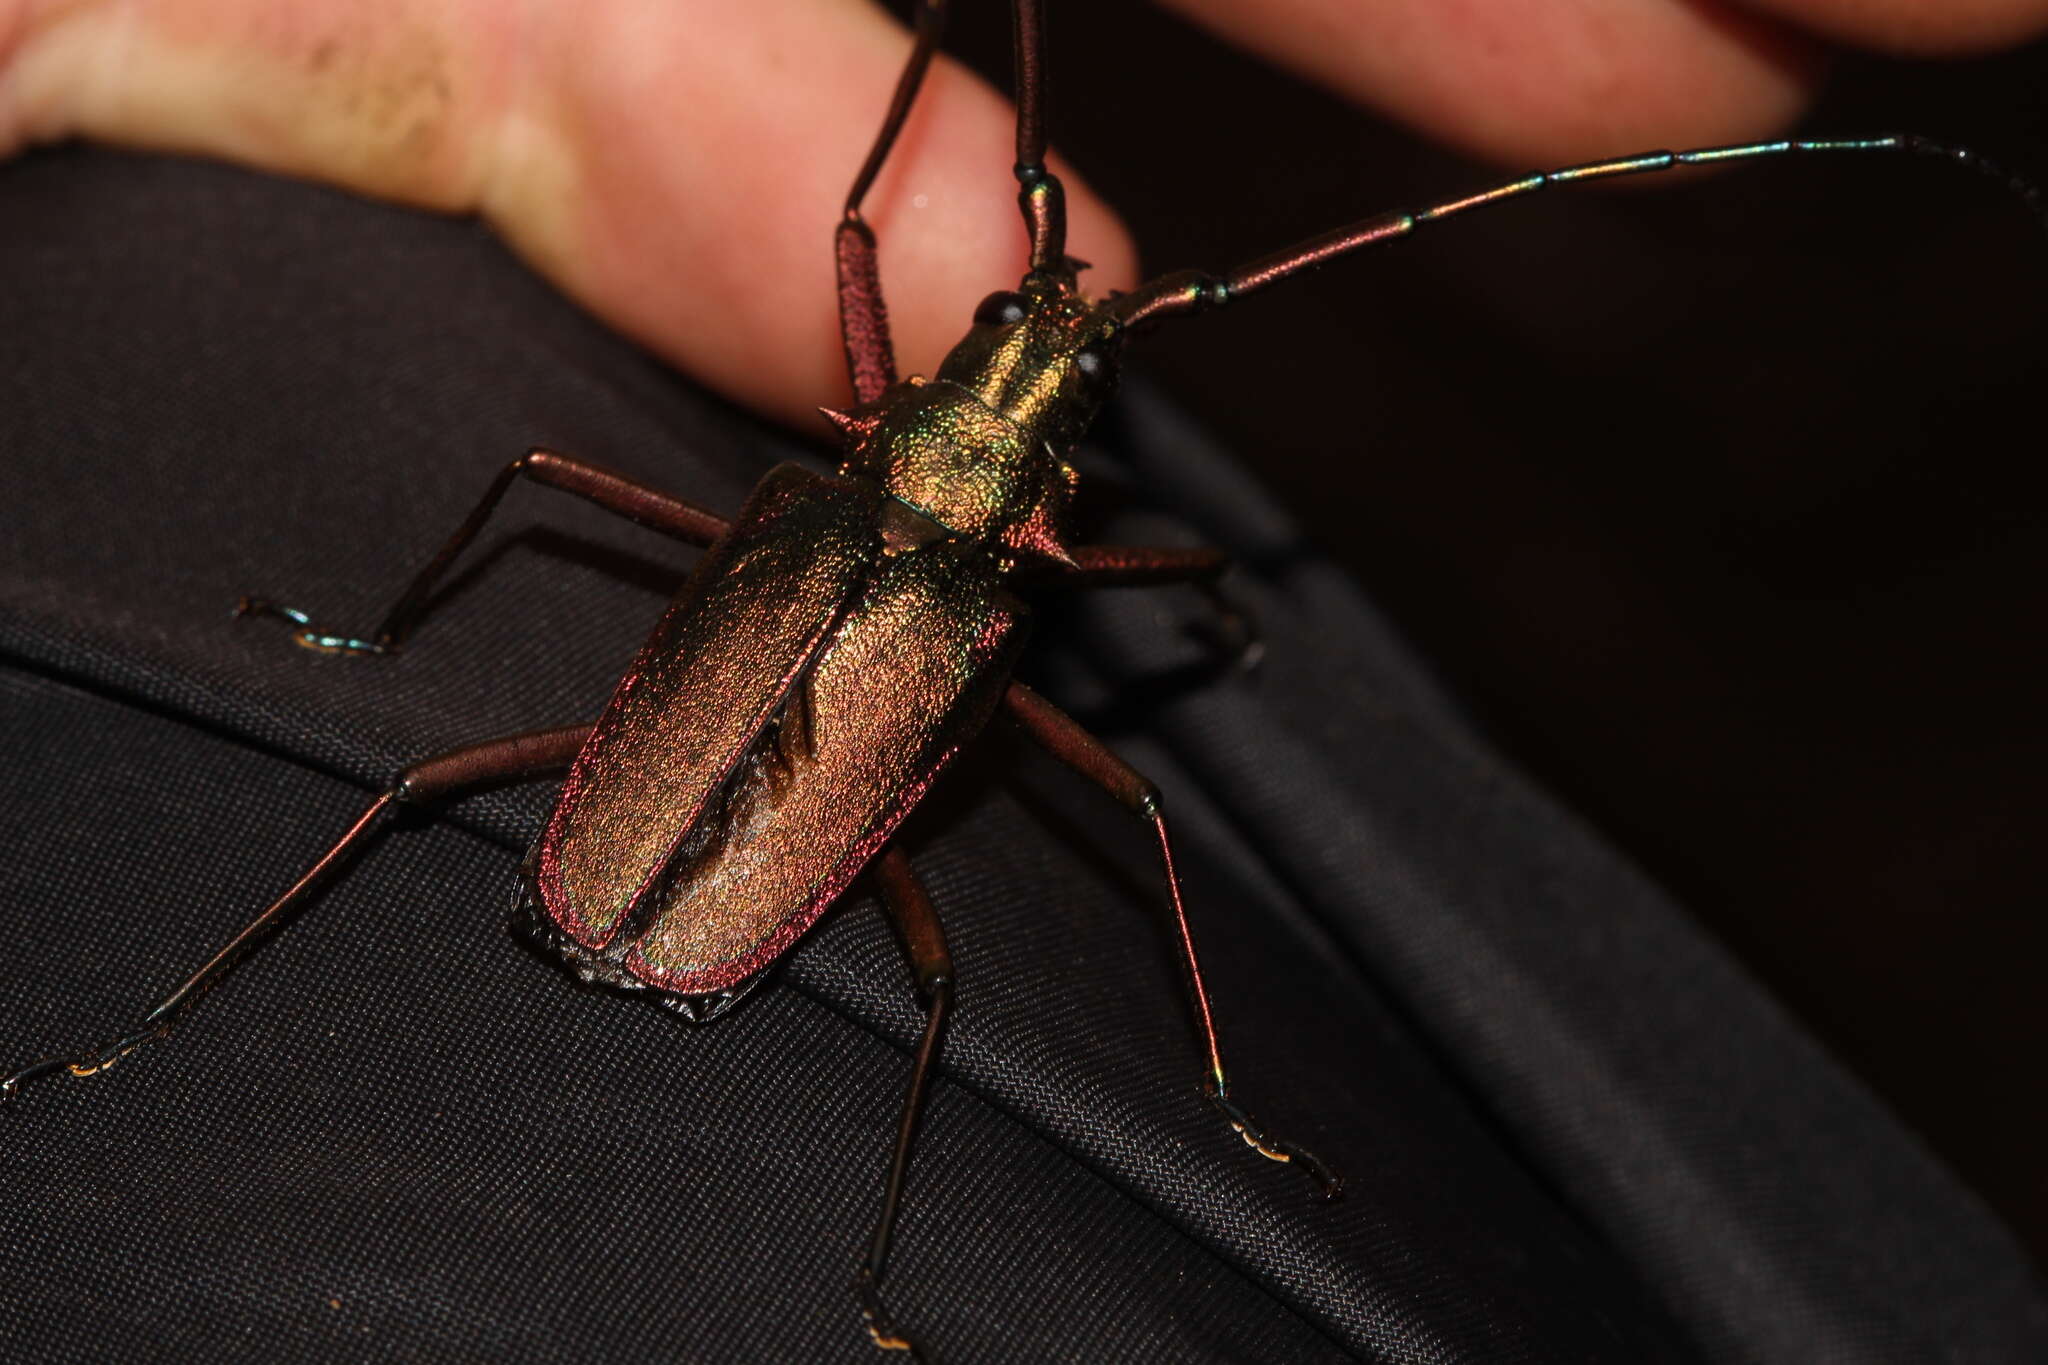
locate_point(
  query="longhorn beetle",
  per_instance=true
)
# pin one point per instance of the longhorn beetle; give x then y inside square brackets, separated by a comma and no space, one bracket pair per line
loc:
[845,636]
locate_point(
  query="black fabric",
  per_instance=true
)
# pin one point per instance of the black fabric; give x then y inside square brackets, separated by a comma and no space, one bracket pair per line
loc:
[1572,1130]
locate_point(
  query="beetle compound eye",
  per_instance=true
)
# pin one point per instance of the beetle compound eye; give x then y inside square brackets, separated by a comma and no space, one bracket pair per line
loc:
[1095,368]
[1000,309]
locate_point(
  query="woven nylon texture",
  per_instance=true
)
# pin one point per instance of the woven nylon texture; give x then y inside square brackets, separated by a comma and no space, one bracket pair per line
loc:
[1572,1130]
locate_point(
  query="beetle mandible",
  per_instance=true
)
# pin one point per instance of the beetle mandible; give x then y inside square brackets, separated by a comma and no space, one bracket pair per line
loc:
[843,638]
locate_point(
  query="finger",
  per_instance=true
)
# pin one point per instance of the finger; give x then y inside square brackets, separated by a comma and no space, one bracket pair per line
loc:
[677,168]
[1914,27]
[1544,81]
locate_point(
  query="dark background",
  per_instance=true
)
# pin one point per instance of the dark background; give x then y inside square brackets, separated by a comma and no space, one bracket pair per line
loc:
[1720,504]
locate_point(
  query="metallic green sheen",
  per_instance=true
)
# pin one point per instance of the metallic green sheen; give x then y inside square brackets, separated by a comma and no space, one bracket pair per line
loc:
[824,663]
[981,448]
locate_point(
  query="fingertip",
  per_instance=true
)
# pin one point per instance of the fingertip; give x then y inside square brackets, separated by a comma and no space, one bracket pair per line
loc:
[950,228]
[680,170]
[1542,84]
[1914,28]
[703,222]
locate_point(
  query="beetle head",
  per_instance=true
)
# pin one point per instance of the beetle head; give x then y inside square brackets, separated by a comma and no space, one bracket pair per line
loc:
[1042,357]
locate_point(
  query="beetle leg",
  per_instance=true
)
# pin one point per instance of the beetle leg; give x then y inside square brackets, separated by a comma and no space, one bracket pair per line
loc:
[610,490]
[1139,566]
[1143,566]
[518,758]
[863,317]
[1065,740]
[924,943]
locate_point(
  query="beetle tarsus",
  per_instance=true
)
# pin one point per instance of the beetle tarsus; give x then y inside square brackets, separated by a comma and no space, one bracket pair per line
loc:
[308,636]
[882,1329]
[1328,1182]
[83,1064]
[11,1087]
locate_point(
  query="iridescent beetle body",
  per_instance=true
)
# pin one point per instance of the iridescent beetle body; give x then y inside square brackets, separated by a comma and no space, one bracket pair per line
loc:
[845,637]
[827,659]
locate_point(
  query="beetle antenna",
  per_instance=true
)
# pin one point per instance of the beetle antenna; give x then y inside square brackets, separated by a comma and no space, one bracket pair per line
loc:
[1195,291]
[863,317]
[1040,195]
[930,25]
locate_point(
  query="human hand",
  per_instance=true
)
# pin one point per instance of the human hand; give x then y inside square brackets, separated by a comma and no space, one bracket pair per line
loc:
[677,166]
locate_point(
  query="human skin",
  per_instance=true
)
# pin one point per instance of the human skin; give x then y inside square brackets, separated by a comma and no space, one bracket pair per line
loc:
[624,148]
